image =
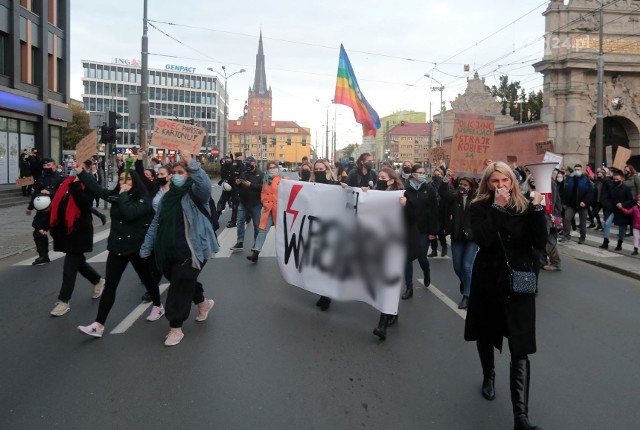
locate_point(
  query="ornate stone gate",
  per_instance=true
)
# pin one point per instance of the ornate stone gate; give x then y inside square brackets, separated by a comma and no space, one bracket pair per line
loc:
[569,67]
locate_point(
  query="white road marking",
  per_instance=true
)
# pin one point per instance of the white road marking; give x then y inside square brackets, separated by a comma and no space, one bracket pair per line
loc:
[445,299]
[57,255]
[229,237]
[100,258]
[128,321]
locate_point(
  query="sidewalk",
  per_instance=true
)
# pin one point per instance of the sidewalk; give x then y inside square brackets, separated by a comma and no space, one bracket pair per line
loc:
[16,233]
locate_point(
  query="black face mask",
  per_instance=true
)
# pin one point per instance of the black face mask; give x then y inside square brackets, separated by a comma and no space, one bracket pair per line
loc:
[239,163]
[406,170]
[321,177]
[381,185]
[251,168]
[49,171]
[437,180]
[463,190]
[161,181]
[305,175]
[617,181]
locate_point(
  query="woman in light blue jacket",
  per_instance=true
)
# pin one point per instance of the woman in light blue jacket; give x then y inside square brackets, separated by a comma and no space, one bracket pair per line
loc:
[183,240]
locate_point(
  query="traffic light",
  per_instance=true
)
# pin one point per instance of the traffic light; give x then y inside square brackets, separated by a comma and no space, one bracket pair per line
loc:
[115,120]
[104,133]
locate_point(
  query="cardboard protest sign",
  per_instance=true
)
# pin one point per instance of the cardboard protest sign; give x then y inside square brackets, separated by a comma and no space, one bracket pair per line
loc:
[87,147]
[550,156]
[177,136]
[622,155]
[542,147]
[437,155]
[472,143]
[23,182]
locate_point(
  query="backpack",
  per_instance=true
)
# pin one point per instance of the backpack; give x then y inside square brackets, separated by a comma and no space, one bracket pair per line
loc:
[212,214]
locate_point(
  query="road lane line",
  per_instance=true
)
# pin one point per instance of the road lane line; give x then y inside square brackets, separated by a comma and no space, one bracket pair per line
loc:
[128,321]
[445,299]
[226,240]
[57,255]
[100,258]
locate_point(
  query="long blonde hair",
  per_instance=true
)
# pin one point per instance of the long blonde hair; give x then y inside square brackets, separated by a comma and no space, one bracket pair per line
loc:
[517,200]
[330,176]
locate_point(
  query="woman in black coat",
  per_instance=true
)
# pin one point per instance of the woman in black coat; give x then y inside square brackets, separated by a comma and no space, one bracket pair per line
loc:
[421,216]
[71,227]
[494,312]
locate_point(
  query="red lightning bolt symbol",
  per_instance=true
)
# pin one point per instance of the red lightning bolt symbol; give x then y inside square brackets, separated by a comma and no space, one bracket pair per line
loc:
[294,193]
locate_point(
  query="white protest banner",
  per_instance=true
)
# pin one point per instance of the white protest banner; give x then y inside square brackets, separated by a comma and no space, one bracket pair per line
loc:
[87,147]
[178,136]
[342,243]
[551,157]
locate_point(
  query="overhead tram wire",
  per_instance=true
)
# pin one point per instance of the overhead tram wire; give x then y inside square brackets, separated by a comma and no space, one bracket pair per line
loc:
[560,28]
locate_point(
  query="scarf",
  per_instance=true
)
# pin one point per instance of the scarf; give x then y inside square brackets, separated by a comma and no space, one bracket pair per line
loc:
[170,210]
[72,211]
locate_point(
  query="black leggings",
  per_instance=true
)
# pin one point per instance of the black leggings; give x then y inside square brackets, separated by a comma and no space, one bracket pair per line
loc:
[74,264]
[115,268]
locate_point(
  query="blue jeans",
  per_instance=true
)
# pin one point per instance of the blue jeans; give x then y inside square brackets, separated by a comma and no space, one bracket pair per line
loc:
[253,213]
[422,260]
[463,254]
[607,228]
[262,235]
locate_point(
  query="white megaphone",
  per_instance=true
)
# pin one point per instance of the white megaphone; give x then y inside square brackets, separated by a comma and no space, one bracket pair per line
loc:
[541,173]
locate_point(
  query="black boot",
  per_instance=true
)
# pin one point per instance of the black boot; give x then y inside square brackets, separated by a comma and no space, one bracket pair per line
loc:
[254,256]
[605,244]
[392,320]
[408,293]
[461,288]
[443,253]
[619,246]
[463,303]
[323,303]
[381,330]
[519,377]
[485,351]
[635,251]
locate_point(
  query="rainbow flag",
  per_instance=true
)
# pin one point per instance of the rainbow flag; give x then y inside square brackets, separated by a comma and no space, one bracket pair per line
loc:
[348,93]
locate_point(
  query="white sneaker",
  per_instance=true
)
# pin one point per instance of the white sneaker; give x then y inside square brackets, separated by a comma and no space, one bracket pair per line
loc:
[174,337]
[98,289]
[203,309]
[91,330]
[60,309]
[156,313]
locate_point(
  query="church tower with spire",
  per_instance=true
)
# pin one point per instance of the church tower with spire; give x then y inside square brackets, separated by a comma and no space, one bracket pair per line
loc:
[259,100]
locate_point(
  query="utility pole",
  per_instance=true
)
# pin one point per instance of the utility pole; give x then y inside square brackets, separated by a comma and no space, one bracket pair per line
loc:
[144,87]
[600,102]
[326,139]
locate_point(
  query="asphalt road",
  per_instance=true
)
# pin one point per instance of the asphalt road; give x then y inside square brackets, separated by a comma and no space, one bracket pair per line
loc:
[267,358]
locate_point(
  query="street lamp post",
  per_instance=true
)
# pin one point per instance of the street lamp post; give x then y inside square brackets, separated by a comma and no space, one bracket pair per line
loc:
[223,149]
[441,89]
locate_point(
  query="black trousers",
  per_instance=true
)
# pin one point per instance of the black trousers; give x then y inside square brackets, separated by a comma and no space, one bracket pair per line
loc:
[225,197]
[74,264]
[184,288]
[42,244]
[116,264]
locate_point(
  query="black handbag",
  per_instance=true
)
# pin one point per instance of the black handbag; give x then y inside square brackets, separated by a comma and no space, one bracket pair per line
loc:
[520,282]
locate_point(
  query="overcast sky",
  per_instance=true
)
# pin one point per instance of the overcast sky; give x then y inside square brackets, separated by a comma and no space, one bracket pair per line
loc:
[391,46]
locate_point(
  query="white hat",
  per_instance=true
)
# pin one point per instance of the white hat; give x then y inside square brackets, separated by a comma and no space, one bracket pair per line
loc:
[226,186]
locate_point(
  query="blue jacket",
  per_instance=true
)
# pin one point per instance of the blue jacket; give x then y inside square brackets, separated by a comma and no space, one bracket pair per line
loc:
[578,190]
[202,239]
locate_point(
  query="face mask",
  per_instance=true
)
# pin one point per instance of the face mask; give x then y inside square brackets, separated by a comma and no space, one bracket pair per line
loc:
[178,180]
[321,176]
[577,173]
[627,174]
[463,190]
[381,185]
[437,180]
[617,181]
[369,165]
[73,173]
[251,167]
[421,178]
[49,170]
[405,175]
[305,175]
[272,172]
[559,178]
[161,181]
[406,170]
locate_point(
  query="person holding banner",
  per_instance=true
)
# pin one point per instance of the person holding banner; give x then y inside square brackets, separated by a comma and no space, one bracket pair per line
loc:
[130,214]
[508,228]
[269,199]
[421,216]
[183,240]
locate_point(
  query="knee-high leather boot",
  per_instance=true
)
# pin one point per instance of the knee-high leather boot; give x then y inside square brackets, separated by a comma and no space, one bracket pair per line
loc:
[519,378]
[485,351]
[381,330]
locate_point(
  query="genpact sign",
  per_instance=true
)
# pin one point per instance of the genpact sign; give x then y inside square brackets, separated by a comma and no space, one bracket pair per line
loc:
[126,62]
[183,69]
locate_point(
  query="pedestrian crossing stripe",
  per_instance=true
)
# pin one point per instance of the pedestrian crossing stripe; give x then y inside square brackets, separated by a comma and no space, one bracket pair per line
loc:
[57,255]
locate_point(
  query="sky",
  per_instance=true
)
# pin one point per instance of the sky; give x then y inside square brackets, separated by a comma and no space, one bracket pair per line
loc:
[391,45]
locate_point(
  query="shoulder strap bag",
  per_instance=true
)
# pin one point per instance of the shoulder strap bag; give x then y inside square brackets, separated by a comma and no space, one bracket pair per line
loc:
[520,282]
